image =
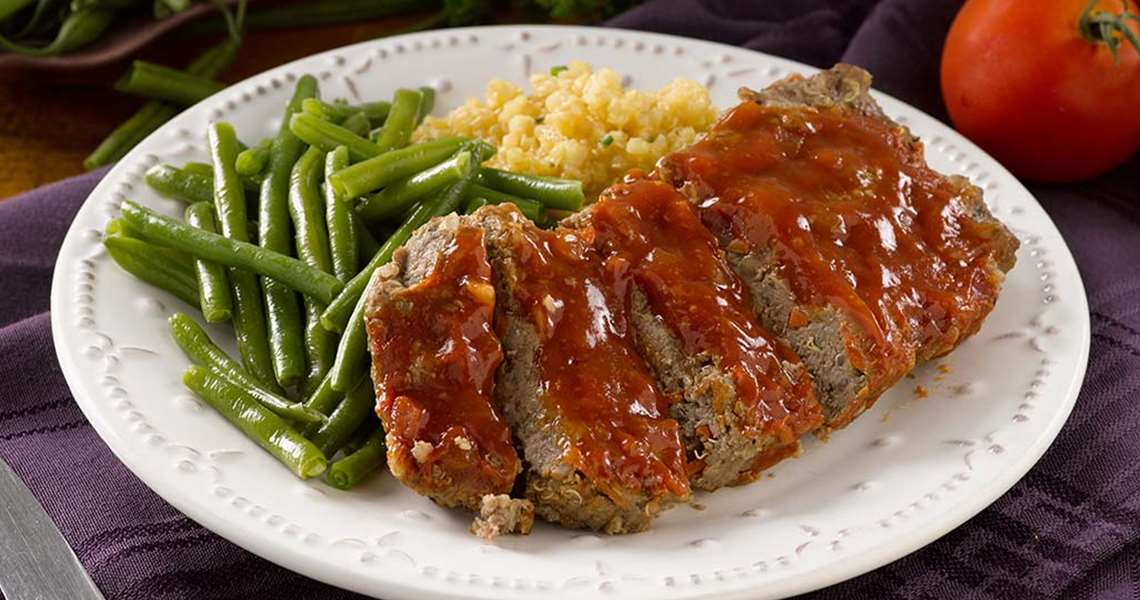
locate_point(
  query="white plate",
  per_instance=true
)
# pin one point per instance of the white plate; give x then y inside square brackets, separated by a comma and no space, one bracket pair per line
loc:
[901,476]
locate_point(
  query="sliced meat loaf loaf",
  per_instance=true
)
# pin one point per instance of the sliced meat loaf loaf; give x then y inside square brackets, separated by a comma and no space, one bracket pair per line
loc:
[434,355]
[742,397]
[855,252]
[594,430]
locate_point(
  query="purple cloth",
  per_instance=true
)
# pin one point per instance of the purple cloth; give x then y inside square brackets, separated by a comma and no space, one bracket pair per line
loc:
[1069,529]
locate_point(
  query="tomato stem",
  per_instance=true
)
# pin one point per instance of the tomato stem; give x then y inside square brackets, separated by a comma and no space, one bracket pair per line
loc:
[1103,27]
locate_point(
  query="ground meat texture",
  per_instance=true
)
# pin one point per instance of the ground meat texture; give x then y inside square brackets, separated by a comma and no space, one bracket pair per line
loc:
[741,395]
[857,253]
[434,356]
[600,449]
[502,515]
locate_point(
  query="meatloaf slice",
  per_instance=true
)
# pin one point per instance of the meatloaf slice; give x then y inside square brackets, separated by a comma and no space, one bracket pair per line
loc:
[857,253]
[434,356]
[593,427]
[743,398]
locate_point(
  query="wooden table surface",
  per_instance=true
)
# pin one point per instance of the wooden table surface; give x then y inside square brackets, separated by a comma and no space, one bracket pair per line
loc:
[46,130]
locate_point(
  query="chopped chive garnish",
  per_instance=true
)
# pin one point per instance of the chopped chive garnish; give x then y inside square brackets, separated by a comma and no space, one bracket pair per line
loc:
[606,141]
[556,69]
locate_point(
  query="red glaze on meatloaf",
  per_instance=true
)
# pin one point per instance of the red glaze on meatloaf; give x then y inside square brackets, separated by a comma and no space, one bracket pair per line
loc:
[434,355]
[743,395]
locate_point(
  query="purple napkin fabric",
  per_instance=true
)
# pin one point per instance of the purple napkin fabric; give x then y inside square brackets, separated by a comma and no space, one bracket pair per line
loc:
[1069,529]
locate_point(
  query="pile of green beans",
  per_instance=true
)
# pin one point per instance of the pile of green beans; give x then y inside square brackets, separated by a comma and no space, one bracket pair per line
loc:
[278,240]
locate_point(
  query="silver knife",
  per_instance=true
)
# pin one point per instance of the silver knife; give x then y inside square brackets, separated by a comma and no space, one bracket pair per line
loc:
[35,561]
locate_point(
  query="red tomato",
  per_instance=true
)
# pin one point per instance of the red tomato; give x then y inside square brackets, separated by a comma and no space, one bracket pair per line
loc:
[1022,82]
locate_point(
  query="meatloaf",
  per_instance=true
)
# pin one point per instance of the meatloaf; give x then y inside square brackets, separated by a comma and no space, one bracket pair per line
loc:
[594,430]
[742,398]
[434,357]
[502,515]
[855,252]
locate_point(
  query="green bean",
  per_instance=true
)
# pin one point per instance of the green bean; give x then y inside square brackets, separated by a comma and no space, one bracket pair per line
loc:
[531,209]
[352,350]
[359,437]
[80,28]
[180,184]
[338,112]
[252,161]
[313,250]
[427,103]
[329,111]
[200,168]
[270,431]
[402,119]
[286,333]
[363,177]
[189,185]
[343,309]
[474,204]
[232,253]
[154,113]
[345,473]
[198,346]
[492,196]
[213,286]
[358,405]
[120,227]
[130,133]
[229,204]
[553,215]
[481,150]
[155,265]
[377,112]
[320,346]
[358,124]
[562,194]
[307,212]
[395,200]
[339,218]
[229,195]
[164,83]
[323,399]
[327,136]
[251,183]
[366,244]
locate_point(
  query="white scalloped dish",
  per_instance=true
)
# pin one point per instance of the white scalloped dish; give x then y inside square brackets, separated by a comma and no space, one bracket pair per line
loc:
[902,475]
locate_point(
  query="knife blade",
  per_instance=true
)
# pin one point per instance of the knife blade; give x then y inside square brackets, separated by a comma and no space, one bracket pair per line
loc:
[35,561]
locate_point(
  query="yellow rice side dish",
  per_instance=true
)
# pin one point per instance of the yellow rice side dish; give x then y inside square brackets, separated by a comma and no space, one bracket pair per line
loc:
[579,124]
